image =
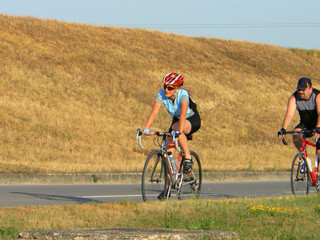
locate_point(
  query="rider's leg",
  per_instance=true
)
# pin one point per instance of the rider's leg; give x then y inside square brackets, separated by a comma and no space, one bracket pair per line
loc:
[317,151]
[297,139]
[183,142]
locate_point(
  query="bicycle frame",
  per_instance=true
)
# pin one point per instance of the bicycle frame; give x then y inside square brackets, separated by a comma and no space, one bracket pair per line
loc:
[305,155]
[163,147]
[173,175]
[305,142]
[159,176]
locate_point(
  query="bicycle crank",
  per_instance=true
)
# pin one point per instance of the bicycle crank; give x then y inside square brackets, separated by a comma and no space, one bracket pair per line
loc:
[179,182]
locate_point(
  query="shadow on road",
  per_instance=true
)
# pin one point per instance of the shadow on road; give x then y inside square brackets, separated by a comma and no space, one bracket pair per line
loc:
[59,198]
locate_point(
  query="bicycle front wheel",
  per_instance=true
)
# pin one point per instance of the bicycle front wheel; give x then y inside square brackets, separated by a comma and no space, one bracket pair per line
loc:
[300,179]
[191,182]
[153,176]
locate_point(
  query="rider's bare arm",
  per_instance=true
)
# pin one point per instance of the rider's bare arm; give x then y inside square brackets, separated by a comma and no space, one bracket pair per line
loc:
[318,112]
[153,115]
[291,109]
[183,114]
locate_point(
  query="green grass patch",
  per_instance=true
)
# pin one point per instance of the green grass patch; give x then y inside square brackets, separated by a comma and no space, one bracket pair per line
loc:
[8,233]
[286,217]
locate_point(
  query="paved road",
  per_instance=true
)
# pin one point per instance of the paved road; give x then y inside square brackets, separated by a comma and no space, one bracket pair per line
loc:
[61,194]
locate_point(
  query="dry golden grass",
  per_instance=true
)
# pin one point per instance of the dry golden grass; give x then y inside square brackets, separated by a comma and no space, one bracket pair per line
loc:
[73,95]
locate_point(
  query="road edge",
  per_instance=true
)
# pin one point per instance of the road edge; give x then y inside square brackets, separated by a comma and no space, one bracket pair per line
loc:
[112,178]
[125,233]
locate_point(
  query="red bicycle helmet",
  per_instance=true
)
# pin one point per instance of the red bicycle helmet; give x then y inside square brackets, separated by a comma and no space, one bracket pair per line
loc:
[174,79]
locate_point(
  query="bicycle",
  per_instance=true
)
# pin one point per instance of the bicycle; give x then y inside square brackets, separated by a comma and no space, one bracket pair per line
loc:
[159,176]
[303,176]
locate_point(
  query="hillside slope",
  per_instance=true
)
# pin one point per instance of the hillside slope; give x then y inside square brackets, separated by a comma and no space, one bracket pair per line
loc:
[73,95]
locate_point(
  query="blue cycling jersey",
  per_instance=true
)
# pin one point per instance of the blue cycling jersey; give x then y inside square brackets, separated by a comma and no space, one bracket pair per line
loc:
[174,109]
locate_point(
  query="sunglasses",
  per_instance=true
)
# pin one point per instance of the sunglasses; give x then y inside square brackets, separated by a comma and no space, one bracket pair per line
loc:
[170,88]
[303,89]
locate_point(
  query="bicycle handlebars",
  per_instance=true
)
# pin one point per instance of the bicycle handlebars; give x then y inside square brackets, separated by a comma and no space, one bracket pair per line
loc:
[303,131]
[175,136]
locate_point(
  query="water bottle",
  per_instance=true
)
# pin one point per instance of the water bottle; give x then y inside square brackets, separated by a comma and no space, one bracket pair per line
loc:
[173,162]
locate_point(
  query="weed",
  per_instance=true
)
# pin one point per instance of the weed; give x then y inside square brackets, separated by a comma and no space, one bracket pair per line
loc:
[96,178]
[250,166]
[26,119]
[8,232]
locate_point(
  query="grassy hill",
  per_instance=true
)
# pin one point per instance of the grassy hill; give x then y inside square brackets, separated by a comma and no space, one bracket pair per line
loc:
[73,95]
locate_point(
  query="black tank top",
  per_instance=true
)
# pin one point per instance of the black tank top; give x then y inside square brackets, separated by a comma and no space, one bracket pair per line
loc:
[308,108]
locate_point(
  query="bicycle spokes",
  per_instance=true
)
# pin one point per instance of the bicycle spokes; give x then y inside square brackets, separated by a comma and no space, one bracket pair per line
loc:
[299,175]
[154,175]
[318,183]
[154,180]
[302,171]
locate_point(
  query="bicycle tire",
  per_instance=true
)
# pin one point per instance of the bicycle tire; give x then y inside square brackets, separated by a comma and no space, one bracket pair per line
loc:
[300,177]
[153,180]
[191,182]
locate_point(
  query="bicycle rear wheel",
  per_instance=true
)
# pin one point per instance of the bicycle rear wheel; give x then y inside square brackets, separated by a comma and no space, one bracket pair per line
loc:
[154,178]
[300,178]
[191,182]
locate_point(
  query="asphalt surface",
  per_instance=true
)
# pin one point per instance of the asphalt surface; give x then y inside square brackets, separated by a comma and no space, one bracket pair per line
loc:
[67,194]
[57,189]
[16,178]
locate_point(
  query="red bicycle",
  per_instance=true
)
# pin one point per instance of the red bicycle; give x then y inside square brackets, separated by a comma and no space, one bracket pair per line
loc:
[303,176]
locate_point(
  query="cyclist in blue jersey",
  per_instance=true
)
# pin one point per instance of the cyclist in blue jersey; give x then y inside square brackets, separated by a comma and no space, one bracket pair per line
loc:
[178,103]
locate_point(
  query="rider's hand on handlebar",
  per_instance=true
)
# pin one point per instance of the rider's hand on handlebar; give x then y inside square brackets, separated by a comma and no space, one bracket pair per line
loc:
[176,133]
[146,131]
[281,133]
[317,132]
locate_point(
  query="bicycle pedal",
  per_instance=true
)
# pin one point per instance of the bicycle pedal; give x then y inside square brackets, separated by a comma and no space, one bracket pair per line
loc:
[189,179]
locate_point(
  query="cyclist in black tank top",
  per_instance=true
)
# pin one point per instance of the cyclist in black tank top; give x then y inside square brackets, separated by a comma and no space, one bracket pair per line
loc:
[306,101]
[307,109]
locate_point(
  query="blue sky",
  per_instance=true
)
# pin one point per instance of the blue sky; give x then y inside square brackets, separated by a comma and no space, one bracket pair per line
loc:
[285,23]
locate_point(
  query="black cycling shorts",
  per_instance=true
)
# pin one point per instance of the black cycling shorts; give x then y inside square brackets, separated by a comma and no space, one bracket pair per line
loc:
[306,127]
[195,120]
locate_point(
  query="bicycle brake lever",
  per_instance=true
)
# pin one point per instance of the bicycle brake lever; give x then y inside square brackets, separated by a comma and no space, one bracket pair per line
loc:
[138,138]
[284,142]
[138,134]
